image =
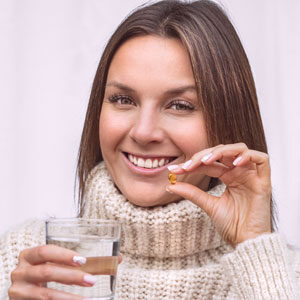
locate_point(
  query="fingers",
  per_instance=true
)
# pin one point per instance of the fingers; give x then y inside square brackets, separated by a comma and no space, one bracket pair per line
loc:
[215,169]
[48,272]
[241,156]
[51,253]
[196,159]
[228,156]
[23,291]
[261,160]
[51,263]
[194,194]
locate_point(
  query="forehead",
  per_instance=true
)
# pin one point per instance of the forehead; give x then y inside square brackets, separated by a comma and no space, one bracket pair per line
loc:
[152,57]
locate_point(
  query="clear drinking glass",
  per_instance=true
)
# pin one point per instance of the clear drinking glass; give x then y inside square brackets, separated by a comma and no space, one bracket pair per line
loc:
[98,241]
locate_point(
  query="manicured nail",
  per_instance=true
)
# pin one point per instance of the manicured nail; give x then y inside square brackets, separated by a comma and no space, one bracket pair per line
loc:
[168,190]
[79,260]
[206,157]
[89,279]
[187,164]
[173,167]
[237,160]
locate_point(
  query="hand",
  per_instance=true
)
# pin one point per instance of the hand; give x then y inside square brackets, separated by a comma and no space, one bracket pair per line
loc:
[243,210]
[41,264]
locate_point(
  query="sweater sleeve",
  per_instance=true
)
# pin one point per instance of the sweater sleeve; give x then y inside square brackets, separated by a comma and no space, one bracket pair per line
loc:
[264,268]
[27,235]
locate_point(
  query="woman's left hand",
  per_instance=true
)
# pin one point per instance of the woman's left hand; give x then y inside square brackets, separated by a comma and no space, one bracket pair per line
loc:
[243,210]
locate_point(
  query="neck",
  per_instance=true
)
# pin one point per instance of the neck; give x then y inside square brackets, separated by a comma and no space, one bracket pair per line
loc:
[173,230]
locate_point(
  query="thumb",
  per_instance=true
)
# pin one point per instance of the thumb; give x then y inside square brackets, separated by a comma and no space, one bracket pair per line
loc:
[194,194]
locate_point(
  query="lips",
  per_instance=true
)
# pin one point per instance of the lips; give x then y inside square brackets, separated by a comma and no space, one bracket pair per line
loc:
[149,162]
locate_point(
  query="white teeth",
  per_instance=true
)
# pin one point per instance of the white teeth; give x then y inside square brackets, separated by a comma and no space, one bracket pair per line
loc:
[148,163]
[161,162]
[131,158]
[141,163]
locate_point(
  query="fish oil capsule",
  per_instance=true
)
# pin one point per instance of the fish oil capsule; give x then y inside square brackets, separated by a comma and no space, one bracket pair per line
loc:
[172,178]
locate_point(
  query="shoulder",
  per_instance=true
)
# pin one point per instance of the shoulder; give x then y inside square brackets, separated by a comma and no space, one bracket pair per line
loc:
[294,258]
[266,250]
[28,233]
[264,265]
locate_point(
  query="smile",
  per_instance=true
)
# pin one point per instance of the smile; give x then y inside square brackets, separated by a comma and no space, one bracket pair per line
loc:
[149,162]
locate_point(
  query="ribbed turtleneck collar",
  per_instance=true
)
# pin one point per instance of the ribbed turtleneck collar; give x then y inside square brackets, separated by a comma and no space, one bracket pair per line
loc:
[174,230]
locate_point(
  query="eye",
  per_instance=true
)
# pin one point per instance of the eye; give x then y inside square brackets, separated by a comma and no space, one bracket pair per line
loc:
[121,99]
[181,105]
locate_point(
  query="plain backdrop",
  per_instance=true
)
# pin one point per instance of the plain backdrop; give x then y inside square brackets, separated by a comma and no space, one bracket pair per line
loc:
[49,53]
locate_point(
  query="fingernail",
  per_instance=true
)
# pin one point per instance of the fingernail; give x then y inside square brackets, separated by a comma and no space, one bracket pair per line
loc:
[89,279]
[168,190]
[237,160]
[186,164]
[173,167]
[206,157]
[79,260]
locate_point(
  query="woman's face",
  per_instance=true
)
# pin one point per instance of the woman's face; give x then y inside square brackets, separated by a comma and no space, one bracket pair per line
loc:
[150,119]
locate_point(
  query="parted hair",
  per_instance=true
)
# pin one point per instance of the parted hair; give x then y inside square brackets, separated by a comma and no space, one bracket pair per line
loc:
[223,77]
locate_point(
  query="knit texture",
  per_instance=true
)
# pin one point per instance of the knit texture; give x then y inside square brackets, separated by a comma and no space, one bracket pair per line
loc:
[173,252]
[30,234]
[260,269]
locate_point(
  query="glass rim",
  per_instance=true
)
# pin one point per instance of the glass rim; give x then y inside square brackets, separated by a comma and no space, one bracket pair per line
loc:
[84,221]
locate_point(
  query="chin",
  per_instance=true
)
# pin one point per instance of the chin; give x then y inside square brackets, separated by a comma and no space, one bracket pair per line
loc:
[150,200]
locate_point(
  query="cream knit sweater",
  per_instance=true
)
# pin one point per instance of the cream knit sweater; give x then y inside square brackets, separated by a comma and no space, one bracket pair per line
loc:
[173,252]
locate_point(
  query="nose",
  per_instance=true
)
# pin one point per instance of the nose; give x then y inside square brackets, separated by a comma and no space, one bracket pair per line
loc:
[146,128]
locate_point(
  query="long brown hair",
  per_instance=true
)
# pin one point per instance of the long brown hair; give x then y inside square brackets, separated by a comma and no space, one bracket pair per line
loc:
[224,82]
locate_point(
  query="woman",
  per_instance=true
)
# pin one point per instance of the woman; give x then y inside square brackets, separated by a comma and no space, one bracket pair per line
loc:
[173,91]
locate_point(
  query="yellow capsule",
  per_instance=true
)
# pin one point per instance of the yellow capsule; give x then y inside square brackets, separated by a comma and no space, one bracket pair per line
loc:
[172,178]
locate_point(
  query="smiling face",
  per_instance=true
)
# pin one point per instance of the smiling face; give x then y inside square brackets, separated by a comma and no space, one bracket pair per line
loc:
[150,118]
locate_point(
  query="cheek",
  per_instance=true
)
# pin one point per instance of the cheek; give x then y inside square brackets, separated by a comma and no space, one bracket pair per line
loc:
[109,132]
[190,137]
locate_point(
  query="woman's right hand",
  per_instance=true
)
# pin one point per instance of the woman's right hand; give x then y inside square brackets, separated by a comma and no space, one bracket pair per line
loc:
[42,264]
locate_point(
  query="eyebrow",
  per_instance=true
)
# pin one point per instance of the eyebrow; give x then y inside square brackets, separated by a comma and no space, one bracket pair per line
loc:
[174,91]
